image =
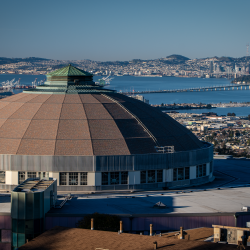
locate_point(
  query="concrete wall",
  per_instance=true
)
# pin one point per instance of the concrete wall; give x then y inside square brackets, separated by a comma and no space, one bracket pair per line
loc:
[134,177]
[193,172]
[11,177]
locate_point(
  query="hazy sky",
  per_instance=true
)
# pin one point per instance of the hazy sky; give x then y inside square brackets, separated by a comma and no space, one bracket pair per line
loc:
[109,30]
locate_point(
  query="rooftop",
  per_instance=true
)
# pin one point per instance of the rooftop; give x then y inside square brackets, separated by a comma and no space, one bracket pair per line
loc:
[75,238]
[34,185]
[69,71]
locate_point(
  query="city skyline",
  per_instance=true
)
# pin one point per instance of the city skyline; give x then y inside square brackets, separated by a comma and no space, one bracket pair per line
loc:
[120,31]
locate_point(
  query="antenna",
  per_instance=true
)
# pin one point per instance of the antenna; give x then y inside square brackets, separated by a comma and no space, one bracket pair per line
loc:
[247,49]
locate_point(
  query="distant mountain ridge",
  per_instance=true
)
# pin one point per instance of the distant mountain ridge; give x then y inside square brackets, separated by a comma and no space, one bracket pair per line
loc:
[5,60]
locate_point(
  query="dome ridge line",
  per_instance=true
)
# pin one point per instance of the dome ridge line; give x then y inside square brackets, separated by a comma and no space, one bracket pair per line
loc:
[58,125]
[136,118]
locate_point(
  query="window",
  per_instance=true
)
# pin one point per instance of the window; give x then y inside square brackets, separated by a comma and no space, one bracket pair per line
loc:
[187,173]
[31,174]
[180,174]
[151,176]
[124,177]
[159,175]
[114,178]
[2,176]
[42,175]
[175,174]
[204,170]
[73,178]
[84,178]
[201,170]
[105,178]
[21,177]
[143,176]
[63,178]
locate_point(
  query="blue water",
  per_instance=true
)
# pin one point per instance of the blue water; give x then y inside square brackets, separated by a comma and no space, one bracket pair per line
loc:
[129,83]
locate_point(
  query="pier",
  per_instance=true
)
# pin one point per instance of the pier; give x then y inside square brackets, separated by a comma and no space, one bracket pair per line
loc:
[200,89]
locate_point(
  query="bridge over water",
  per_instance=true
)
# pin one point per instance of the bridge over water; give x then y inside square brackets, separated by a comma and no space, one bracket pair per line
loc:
[233,87]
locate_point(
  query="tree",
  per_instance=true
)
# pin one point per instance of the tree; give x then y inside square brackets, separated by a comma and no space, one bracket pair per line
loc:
[104,222]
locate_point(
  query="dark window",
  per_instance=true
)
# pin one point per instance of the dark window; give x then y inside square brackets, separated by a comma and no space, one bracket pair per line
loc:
[21,177]
[200,170]
[31,174]
[143,177]
[180,174]
[175,174]
[124,177]
[42,175]
[105,178]
[21,226]
[2,177]
[151,176]
[20,240]
[204,170]
[197,171]
[159,175]
[187,173]
[84,178]
[114,178]
[63,178]
[73,178]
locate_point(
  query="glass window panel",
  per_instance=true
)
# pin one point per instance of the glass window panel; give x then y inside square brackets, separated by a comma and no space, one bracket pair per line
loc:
[197,171]
[124,177]
[14,239]
[180,174]
[73,178]
[114,178]
[151,176]
[159,175]
[143,177]
[29,227]
[21,226]
[31,174]
[14,225]
[204,170]
[200,170]
[21,177]
[2,177]
[105,178]
[187,176]
[20,239]
[84,178]
[175,174]
[63,178]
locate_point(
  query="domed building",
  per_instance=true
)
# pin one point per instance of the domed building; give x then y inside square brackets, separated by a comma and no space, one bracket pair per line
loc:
[90,139]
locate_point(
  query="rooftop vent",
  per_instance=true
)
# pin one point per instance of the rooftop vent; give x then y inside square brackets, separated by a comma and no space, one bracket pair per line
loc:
[246,209]
[164,149]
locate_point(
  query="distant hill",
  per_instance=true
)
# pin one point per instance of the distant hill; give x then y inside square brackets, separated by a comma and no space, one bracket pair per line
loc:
[177,57]
[5,60]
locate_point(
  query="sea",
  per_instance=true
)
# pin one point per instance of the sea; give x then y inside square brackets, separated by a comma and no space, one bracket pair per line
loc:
[130,83]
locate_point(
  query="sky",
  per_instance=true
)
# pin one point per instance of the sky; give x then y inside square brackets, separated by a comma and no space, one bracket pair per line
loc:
[116,30]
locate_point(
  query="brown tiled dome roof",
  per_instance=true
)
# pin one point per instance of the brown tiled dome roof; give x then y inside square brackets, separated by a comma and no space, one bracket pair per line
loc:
[87,124]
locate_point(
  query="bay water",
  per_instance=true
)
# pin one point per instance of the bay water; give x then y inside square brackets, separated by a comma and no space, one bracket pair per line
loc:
[130,83]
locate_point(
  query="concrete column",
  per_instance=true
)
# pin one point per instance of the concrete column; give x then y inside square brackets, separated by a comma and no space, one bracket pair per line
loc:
[208,168]
[193,172]
[169,175]
[55,175]
[11,177]
[134,177]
